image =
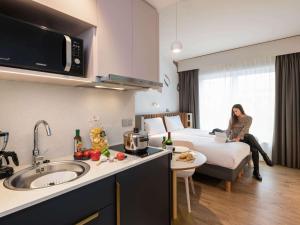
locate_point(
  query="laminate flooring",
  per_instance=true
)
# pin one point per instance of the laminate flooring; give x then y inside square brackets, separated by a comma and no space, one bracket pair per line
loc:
[274,201]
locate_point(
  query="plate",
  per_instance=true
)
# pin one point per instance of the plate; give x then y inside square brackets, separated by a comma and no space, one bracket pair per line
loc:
[181,149]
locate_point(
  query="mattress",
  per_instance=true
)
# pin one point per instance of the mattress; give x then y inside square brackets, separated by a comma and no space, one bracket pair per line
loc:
[228,155]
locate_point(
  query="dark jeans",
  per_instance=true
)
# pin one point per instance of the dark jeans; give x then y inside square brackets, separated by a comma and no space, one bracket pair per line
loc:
[216,130]
[255,149]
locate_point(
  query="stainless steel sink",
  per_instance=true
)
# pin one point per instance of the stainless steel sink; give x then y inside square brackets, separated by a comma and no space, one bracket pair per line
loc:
[46,175]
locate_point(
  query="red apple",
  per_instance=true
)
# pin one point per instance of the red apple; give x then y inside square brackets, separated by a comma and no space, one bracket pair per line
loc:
[78,155]
[95,155]
[86,154]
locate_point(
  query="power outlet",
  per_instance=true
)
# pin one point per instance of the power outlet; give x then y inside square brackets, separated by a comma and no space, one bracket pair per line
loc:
[127,122]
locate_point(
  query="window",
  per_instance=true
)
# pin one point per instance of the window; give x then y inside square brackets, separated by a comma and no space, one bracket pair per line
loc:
[252,85]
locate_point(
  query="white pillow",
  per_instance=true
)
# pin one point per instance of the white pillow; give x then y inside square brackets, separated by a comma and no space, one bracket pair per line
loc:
[173,123]
[154,126]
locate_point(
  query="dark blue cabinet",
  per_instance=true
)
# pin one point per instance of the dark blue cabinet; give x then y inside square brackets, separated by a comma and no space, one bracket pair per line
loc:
[137,196]
[95,202]
[143,194]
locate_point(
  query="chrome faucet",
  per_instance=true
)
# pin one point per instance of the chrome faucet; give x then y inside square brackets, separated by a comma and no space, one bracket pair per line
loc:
[37,158]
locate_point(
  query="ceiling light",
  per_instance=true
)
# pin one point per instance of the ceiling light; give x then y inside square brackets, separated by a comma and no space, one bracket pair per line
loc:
[176,46]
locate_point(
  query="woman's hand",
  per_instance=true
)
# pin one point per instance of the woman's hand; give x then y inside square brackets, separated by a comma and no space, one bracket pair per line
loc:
[237,139]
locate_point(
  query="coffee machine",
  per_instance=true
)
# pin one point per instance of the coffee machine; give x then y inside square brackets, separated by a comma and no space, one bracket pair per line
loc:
[6,171]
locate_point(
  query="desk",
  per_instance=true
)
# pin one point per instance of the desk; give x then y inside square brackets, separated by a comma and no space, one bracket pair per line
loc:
[200,159]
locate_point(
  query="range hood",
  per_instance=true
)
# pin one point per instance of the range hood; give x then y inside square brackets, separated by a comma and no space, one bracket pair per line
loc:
[122,83]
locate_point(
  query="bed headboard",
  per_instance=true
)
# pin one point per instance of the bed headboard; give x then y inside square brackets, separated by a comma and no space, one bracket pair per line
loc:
[186,118]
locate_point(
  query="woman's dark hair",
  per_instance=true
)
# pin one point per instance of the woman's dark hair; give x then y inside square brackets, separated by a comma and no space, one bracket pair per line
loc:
[234,118]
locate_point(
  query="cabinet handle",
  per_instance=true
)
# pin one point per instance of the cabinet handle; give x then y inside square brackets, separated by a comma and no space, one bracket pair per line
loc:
[118,198]
[89,219]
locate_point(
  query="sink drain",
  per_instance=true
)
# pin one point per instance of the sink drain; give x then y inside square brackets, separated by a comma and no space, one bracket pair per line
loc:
[53,179]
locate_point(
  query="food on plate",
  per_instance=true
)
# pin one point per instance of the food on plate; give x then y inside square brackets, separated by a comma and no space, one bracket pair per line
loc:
[186,156]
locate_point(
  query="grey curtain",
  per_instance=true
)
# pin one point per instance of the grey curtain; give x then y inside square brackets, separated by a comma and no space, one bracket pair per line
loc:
[189,94]
[286,141]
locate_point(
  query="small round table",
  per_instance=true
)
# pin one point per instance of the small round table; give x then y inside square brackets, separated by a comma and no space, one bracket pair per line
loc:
[199,160]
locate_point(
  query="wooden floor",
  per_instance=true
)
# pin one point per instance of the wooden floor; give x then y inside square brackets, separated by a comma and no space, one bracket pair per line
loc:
[275,201]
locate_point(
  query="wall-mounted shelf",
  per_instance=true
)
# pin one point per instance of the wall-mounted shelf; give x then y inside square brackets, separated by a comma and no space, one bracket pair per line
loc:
[7,73]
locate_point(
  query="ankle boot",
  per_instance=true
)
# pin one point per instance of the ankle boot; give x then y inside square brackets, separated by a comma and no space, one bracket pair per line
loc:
[257,175]
[267,160]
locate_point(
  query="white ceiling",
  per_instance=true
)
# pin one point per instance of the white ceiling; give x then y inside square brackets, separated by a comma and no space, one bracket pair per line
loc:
[208,26]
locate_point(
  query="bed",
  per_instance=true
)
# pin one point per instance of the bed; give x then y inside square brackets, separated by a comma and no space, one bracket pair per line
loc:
[225,161]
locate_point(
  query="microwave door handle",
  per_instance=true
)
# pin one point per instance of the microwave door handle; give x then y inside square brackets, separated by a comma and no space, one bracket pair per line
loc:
[68,53]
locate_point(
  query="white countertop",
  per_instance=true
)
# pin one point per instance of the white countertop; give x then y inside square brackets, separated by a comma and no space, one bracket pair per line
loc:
[12,201]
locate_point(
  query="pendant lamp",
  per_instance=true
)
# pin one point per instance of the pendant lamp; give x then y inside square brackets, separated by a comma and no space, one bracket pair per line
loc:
[176,46]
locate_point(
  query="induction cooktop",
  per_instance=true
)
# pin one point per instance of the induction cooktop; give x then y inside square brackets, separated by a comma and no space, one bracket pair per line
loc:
[141,153]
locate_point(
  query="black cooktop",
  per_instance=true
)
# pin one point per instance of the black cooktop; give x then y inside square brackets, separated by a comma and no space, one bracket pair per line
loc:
[141,153]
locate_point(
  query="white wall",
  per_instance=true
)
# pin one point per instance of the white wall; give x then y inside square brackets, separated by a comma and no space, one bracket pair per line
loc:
[272,48]
[167,98]
[65,109]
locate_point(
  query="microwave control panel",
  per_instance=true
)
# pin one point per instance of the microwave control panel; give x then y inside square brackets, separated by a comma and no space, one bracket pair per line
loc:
[77,57]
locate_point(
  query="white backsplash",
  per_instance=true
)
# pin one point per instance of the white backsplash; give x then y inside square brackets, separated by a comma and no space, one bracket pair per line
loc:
[65,109]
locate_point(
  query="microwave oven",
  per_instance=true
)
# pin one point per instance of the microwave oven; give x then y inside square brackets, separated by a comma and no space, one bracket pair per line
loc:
[28,46]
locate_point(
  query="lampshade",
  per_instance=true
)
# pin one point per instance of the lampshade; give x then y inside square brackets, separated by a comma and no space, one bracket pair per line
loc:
[176,47]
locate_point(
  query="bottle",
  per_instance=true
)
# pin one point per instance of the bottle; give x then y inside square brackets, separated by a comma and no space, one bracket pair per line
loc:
[77,141]
[169,143]
[163,143]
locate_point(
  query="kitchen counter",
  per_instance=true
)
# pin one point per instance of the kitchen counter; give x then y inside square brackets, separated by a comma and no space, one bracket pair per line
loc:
[12,201]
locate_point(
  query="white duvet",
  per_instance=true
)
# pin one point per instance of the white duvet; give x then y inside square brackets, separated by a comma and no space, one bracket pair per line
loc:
[228,155]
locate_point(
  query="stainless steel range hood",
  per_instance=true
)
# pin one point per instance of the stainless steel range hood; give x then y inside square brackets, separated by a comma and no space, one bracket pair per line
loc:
[117,82]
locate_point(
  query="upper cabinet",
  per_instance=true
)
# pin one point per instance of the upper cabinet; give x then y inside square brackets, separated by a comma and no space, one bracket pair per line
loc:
[78,20]
[128,39]
[120,36]
[115,37]
[84,10]
[145,41]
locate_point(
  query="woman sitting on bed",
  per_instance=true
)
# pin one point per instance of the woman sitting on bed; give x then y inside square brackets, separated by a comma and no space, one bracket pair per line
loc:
[238,130]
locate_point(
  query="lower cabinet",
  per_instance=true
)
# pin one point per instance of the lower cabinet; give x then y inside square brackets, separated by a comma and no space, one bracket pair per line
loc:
[137,196]
[91,204]
[143,194]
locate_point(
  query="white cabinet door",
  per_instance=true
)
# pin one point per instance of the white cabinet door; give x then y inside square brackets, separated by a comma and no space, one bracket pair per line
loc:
[115,37]
[128,39]
[145,41]
[84,10]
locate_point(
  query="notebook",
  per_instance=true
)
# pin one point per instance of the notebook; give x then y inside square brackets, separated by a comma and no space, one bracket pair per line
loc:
[220,137]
